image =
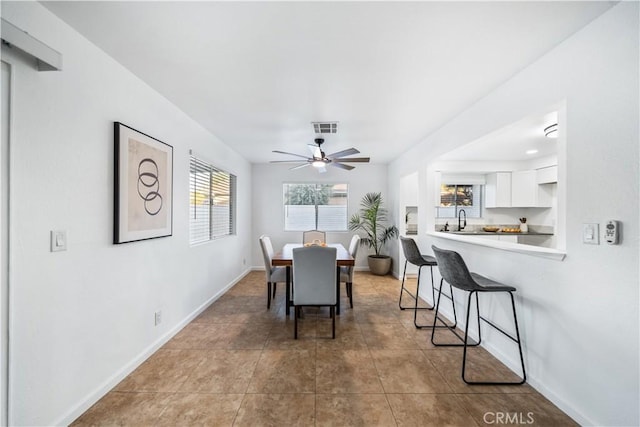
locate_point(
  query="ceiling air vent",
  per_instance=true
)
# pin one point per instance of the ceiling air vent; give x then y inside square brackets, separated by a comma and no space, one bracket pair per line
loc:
[325,127]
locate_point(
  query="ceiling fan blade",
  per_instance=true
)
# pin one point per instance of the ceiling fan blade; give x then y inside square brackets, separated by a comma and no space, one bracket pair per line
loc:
[290,154]
[341,166]
[353,159]
[288,161]
[315,151]
[343,153]
[299,166]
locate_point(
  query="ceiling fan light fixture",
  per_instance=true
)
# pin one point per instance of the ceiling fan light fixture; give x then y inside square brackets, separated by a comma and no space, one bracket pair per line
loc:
[318,164]
[551,131]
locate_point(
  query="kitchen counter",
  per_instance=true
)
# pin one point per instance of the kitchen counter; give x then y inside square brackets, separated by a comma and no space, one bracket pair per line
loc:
[480,239]
[497,233]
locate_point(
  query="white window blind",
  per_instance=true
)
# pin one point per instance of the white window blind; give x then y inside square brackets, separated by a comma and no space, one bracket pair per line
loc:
[212,196]
[315,206]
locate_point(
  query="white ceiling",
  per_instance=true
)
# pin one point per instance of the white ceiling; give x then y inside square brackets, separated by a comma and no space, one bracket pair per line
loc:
[256,74]
[514,142]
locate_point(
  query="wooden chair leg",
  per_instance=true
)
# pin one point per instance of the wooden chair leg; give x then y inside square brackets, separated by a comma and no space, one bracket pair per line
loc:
[350,288]
[296,311]
[275,285]
[268,295]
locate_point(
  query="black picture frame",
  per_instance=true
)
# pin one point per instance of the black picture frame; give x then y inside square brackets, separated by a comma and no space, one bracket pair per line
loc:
[143,186]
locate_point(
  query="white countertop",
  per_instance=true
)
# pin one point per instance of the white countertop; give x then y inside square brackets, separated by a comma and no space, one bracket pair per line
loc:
[506,246]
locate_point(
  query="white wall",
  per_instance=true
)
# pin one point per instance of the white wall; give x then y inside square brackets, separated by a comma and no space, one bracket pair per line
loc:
[267,180]
[84,318]
[579,317]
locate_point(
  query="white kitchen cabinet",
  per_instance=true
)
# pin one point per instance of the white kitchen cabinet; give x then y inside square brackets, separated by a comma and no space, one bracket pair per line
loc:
[498,190]
[548,175]
[512,239]
[524,189]
[526,192]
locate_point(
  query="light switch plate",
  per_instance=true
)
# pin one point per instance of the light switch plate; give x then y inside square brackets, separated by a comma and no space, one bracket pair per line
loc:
[591,234]
[58,240]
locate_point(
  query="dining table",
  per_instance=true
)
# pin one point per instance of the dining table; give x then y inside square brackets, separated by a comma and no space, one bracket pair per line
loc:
[284,258]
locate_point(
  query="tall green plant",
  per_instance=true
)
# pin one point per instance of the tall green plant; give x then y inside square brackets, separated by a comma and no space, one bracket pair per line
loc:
[372,221]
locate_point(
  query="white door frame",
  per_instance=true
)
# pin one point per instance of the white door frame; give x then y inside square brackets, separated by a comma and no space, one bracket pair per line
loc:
[6,93]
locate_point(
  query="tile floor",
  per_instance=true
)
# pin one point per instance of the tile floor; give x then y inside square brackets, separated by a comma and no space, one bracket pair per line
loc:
[238,364]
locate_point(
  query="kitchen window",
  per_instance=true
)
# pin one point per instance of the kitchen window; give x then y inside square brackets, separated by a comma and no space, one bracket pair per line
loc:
[212,202]
[454,197]
[315,206]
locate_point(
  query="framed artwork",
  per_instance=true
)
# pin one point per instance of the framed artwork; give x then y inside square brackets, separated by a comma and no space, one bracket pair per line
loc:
[143,207]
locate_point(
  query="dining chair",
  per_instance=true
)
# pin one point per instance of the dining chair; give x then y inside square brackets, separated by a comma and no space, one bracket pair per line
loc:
[314,281]
[273,274]
[454,270]
[413,256]
[346,273]
[312,235]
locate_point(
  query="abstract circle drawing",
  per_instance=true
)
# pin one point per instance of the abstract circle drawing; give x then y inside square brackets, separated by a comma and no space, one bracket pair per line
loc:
[149,186]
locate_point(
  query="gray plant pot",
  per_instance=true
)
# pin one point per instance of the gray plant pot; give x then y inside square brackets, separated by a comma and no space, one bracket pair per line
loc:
[379,264]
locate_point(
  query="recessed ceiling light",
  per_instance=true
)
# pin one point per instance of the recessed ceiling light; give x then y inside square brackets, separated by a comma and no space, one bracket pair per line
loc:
[551,131]
[532,151]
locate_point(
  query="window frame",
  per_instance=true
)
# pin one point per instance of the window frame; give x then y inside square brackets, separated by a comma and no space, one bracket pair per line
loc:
[196,161]
[456,208]
[316,183]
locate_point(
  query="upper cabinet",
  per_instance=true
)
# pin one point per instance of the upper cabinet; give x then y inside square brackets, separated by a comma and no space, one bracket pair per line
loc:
[547,175]
[518,189]
[498,190]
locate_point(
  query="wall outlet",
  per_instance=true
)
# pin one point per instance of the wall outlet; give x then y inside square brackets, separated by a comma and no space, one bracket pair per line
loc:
[158,317]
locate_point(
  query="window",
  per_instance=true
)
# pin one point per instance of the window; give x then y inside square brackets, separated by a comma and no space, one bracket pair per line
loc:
[315,207]
[212,200]
[454,197]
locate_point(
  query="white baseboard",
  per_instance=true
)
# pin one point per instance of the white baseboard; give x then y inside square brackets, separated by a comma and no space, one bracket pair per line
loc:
[121,374]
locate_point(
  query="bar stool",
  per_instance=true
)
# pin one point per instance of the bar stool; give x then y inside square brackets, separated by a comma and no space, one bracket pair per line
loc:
[413,256]
[454,270]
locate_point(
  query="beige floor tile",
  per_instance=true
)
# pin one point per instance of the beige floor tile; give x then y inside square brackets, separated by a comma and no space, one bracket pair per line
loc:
[436,410]
[284,371]
[223,371]
[125,409]
[276,410]
[165,371]
[387,336]
[514,409]
[200,336]
[238,364]
[348,337]
[187,409]
[357,410]
[407,371]
[346,371]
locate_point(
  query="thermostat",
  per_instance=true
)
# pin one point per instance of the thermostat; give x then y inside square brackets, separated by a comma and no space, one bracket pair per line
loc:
[611,232]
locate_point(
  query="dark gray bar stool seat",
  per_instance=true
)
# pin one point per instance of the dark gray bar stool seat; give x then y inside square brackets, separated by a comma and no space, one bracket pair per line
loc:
[413,256]
[454,270]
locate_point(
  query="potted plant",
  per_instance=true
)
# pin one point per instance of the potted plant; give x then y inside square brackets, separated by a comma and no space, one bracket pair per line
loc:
[372,220]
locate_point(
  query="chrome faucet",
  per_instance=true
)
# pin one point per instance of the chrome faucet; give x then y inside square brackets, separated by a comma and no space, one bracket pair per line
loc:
[464,224]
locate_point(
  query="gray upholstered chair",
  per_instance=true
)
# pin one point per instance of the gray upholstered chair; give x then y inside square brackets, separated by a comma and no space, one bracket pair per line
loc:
[314,281]
[454,270]
[312,235]
[346,273]
[413,256]
[272,274]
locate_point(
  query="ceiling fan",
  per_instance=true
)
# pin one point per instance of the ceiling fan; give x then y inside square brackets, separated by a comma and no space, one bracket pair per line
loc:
[320,160]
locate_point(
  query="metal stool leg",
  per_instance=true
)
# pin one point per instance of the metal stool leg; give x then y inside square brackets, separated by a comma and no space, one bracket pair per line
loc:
[516,339]
[403,289]
[434,325]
